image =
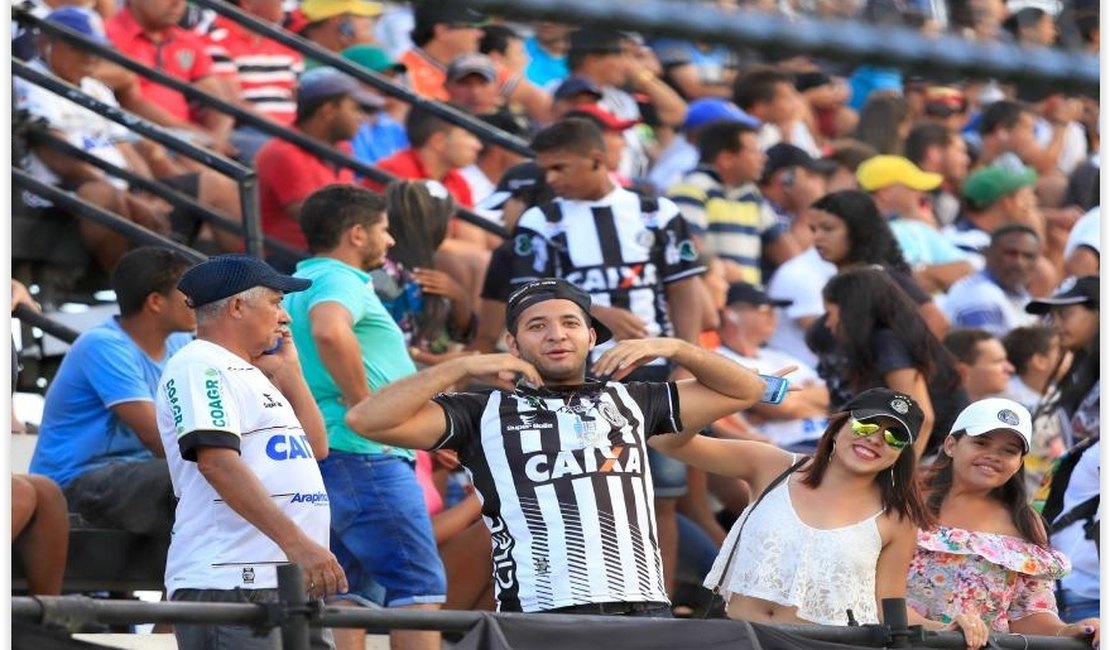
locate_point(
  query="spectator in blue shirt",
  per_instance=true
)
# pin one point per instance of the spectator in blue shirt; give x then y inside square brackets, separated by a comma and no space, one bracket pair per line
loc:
[99,438]
[381,135]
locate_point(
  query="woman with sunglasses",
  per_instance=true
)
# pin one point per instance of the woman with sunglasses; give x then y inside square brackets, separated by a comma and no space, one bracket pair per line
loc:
[989,553]
[855,495]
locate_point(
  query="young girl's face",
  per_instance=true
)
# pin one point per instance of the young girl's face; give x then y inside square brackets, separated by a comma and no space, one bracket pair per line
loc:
[986,461]
[830,237]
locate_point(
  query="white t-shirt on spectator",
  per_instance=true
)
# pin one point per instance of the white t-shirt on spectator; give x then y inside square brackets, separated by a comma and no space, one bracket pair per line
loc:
[800,279]
[1085,232]
[211,397]
[679,157]
[1074,150]
[82,127]
[782,432]
[1084,483]
[634,161]
[978,301]
[770,135]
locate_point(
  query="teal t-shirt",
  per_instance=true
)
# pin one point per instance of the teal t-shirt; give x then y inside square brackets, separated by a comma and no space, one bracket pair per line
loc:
[385,357]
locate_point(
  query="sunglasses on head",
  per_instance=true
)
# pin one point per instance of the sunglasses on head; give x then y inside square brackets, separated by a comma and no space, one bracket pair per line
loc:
[864,429]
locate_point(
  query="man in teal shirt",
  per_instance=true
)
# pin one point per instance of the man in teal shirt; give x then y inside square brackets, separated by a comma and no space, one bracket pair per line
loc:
[349,345]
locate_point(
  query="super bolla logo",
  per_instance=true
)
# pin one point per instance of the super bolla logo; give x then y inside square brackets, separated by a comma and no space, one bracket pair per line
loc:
[620,459]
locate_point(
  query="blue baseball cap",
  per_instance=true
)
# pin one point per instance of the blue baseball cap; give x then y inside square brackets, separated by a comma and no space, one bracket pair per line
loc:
[81,20]
[575,85]
[222,276]
[714,109]
[323,81]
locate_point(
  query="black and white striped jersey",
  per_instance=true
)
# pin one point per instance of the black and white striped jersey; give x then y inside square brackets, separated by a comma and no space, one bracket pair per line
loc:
[621,249]
[565,487]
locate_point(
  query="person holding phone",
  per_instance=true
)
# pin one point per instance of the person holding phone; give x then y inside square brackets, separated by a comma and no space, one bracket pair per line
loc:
[793,421]
[242,436]
[559,457]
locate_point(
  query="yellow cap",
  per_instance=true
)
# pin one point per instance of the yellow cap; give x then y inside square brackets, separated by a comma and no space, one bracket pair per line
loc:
[883,171]
[315,10]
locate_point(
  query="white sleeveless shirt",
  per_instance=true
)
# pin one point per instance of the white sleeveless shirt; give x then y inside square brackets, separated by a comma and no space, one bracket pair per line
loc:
[781,559]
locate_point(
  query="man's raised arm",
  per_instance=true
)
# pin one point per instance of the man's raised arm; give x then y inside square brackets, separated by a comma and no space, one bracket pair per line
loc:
[403,413]
[719,387]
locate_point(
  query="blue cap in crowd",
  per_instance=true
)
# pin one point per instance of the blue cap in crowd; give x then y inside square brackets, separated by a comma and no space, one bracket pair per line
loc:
[575,85]
[81,20]
[323,82]
[222,276]
[714,109]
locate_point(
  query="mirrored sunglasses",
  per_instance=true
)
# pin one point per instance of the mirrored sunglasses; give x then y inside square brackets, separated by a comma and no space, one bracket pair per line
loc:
[864,429]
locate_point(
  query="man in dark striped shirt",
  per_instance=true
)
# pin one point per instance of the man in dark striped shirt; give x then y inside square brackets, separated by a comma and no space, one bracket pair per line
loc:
[558,458]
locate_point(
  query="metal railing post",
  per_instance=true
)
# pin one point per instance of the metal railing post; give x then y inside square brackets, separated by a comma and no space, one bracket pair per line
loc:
[294,602]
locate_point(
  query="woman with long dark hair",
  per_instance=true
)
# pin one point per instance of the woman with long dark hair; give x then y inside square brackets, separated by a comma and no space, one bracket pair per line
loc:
[431,307]
[1074,400]
[989,553]
[856,495]
[849,232]
[880,340]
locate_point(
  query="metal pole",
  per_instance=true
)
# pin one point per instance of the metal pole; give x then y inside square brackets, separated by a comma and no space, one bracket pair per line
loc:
[52,327]
[170,195]
[252,215]
[51,610]
[128,120]
[895,619]
[384,84]
[313,146]
[134,232]
[844,40]
[294,602]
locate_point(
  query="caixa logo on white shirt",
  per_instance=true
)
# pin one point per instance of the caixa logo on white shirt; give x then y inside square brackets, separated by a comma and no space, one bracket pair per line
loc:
[283,447]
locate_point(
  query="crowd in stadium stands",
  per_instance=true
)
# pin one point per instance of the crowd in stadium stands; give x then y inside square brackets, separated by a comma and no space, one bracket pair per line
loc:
[919,253]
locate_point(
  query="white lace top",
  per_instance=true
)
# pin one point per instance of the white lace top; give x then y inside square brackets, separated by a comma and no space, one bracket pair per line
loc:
[781,559]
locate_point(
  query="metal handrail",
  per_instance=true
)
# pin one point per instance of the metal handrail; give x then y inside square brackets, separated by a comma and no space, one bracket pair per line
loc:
[29,316]
[243,176]
[162,191]
[82,209]
[484,131]
[77,610]
[317,148]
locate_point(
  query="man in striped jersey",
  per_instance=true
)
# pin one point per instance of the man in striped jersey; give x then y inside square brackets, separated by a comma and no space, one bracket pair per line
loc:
[558,458]
[632,254]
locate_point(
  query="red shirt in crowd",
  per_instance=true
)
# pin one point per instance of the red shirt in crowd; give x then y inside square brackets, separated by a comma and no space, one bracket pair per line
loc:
[177,52]
[266,71]
[287,175]
[406,165]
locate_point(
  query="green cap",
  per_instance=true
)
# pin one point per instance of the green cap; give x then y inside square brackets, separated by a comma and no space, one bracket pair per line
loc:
[985,186]
[372,58]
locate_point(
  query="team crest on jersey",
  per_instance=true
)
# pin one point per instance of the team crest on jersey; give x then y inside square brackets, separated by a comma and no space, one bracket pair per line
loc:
[612,415]
[248,575]
[185,58]
[522,245]
[687,252]
[645,238]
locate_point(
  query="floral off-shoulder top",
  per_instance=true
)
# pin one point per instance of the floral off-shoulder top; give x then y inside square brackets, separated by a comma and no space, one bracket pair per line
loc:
[1000,577]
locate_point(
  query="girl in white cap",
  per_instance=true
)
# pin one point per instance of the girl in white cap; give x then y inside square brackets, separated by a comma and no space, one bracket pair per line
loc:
[989,555]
